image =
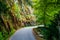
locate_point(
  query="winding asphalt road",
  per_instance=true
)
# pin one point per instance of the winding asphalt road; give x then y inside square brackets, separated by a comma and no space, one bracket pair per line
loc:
[24,34]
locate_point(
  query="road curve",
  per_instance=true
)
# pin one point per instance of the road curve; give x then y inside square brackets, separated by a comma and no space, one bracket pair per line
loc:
[24,34]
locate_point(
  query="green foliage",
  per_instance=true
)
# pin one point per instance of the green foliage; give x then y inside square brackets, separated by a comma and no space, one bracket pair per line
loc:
[1,36]
[10,16]
[52,31]
[16,10]
[29,2]
[3,7]
[45,10]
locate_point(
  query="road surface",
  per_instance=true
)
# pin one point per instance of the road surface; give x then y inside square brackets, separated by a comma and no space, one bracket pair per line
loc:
[24,34]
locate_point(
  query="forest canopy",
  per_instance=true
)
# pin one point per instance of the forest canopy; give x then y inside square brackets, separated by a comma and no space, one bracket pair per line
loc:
[15,14]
